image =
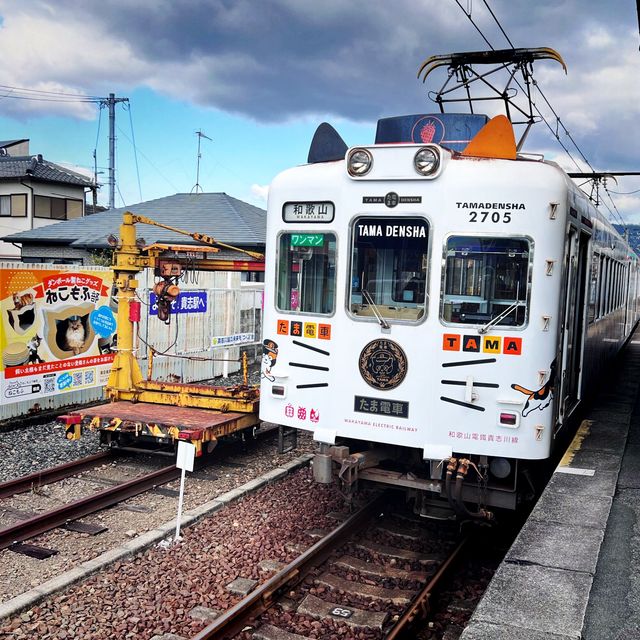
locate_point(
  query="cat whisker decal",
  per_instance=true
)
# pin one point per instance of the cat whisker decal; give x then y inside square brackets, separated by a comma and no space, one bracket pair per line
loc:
[308,346]
[462,363]
[303,365]
[312,386]
[463,383]
[460,403]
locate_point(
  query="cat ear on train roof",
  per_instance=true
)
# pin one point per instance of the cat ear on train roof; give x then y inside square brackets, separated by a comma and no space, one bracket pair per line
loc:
[494,140]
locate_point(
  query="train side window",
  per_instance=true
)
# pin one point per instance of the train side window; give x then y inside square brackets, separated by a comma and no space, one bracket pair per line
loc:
[603,286]
[592,313]
[486,280]
[389,266]
[306,273]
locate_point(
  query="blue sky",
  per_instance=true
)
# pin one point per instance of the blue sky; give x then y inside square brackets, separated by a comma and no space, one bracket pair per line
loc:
[258,76]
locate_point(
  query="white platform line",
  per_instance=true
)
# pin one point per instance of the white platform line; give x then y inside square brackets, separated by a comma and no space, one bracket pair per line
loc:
[576,471]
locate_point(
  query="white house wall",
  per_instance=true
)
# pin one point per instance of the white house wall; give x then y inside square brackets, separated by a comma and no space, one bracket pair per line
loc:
[8,226]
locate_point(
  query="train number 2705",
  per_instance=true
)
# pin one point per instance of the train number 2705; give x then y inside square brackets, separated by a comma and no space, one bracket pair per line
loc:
[490,216]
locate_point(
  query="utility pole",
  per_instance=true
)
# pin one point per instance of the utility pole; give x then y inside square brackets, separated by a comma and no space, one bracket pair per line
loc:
[110,103]
[201,135]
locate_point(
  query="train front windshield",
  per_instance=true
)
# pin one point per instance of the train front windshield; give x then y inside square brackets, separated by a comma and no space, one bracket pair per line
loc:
[389,265]
[486,280]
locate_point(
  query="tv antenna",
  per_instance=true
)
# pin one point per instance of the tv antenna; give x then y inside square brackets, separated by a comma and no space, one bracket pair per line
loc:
[197,186]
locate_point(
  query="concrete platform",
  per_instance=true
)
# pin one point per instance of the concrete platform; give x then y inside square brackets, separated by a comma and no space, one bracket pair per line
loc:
[572,572]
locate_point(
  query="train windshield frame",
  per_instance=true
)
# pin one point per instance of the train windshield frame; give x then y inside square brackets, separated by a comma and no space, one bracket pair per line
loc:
[486,279]
[306,273]
[389,268]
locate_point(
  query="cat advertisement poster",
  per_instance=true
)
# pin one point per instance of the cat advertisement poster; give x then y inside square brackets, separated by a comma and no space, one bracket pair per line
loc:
[57,332]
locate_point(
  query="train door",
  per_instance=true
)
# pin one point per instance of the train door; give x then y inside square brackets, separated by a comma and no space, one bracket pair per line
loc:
[576,256]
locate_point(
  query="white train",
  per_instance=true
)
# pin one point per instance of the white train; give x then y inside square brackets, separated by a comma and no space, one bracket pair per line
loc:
[436,307]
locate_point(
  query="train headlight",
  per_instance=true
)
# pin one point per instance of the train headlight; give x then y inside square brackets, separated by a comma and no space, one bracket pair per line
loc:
[426,161]
[359,162]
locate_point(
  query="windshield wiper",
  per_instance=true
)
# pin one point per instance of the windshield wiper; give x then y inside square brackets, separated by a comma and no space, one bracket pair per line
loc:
[502,315]
[367,296]
[499,317]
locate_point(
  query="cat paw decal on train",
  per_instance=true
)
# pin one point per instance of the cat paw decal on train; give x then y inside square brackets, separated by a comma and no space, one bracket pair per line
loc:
[269,357]
[540,398]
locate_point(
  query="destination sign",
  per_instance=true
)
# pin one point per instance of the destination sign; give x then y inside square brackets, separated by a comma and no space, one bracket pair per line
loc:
[308,212]
[372,228]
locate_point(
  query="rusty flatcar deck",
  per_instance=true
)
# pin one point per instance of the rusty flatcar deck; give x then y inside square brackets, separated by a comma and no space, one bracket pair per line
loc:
[184,417]
[156,422]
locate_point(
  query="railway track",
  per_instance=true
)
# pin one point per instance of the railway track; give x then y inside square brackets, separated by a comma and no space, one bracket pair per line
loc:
[33,526]
[358,583]
[358,602]
[66,514]
[46,476]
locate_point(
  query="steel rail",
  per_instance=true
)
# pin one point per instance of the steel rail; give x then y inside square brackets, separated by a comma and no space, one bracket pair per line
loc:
[234,619]
[47,476]
[45,522]
[421,604]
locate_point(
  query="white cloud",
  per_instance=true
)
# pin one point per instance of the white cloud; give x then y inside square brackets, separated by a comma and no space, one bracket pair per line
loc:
[260,191]
[277,60]
[59,54]
[598,38]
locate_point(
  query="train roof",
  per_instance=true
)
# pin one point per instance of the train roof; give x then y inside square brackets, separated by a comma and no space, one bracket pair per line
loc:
[453,131]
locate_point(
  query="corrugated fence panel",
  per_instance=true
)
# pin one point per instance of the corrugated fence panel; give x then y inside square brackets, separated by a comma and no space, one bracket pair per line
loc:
[233,312]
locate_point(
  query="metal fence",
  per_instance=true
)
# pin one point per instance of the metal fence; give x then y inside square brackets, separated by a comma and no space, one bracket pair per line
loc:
[212,323]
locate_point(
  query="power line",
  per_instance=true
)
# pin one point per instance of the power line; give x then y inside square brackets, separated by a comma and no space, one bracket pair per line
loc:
[145,157]
[21,93]
[562,125]
[555,134]
[135,149]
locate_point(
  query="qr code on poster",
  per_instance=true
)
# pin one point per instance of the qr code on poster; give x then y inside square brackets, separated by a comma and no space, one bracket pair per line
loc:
[77,379]
[49,385]
[88,377]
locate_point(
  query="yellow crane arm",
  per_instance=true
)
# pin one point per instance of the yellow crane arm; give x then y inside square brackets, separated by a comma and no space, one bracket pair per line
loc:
[199,237]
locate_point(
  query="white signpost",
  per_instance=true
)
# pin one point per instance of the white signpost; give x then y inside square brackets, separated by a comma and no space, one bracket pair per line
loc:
[184,461]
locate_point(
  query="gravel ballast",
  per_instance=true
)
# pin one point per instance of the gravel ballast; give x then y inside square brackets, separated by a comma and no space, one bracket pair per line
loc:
[155,591]
[25,450]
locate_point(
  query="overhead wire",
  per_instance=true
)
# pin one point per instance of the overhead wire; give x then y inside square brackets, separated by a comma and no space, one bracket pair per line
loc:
[535,106]
[624,193]
[493,15]
[143,155]
[468,14]
[127,107]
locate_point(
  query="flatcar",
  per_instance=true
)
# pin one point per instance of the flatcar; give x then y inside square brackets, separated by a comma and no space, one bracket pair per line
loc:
[436,308]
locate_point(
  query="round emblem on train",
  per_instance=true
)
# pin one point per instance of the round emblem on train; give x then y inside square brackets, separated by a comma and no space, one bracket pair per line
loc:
[383,364]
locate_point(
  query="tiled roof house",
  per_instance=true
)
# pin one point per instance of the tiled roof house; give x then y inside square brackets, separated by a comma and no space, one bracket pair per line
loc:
[227,219]
[35,193]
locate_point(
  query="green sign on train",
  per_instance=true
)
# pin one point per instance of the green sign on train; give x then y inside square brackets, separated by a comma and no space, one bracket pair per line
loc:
[307,239]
